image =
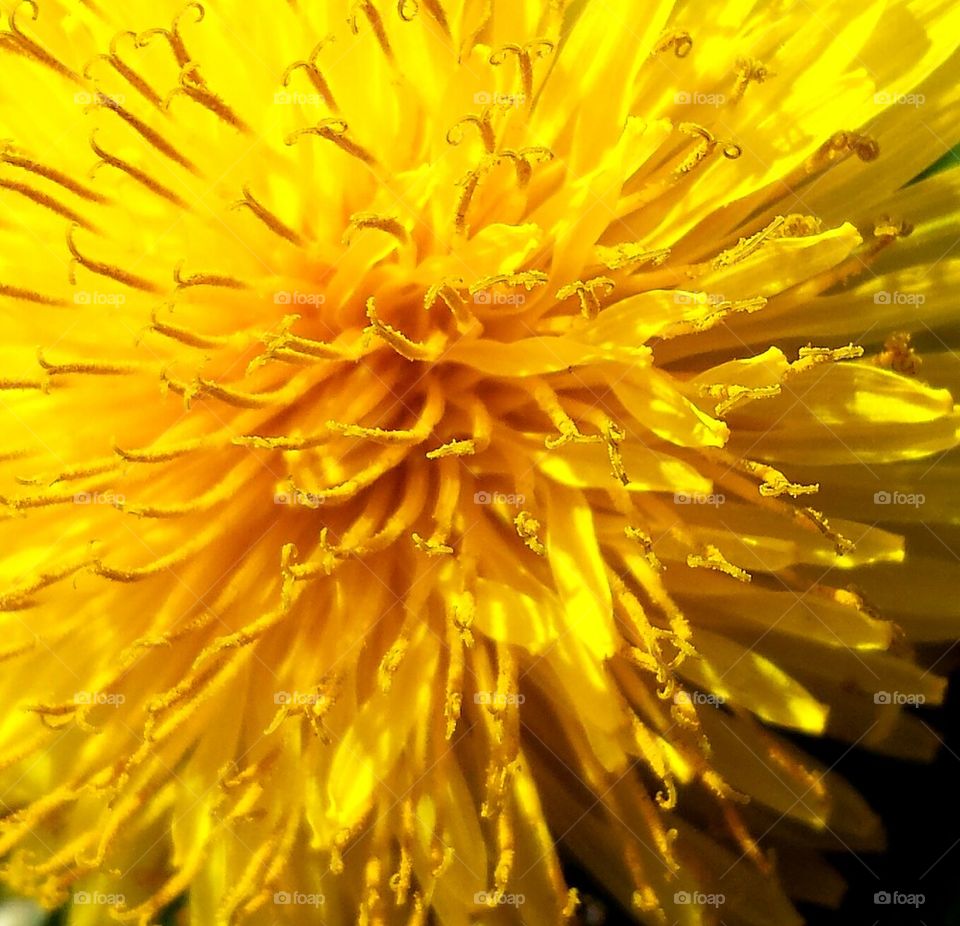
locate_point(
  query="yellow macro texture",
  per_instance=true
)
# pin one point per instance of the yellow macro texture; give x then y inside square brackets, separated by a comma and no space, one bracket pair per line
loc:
[440,436]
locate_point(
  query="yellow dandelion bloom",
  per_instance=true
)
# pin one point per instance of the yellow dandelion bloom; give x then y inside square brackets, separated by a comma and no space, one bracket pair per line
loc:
[445,435]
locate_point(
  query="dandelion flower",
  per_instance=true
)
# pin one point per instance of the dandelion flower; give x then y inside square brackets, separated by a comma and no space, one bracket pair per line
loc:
[445,437]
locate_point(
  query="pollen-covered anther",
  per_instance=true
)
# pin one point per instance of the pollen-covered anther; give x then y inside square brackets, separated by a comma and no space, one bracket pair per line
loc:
[334,130]
[109,160]
[729,396]
[712,558]
[614,435]
[193,86]
[276,225]
[749,70]
[484,126]
[123,69]
[376,24]
[525,55]
[404,346]
[841,145]
[621,256]
[705,144]
[450,292]
[899,355]
[680,42]
[887,227]
[431,546]
[30,48]
[172,35]
[528,529]
[809,357]
[384,223]
[106,270]
[312,69]
[589,293]
[842,545]
[775,483]
[524,160]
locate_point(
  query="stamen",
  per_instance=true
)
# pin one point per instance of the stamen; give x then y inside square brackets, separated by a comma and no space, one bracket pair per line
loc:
[334,130]
[149,135]
[587,293]
[810,357]
[376,23]
[645,541]
[621,256]
[680,42]
[524,159]
[705,145]
[484,125]
[106,270]
[172,35]
[614,436]
[205,279]
[124,70]
[749,70]
[8,156]
[449,291]
[31,48]
[453,448]
[730,396]
[193,86]
[163,454]
[840,146]
[525,56]
[96,368]
[898,355]
[409,350]
[140,176]
[384,223]
[842,545]
[275,225]
[775,483]
[528,279]
[48,202]
[28,295]
[713,559]
[528,528]
[313,72]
